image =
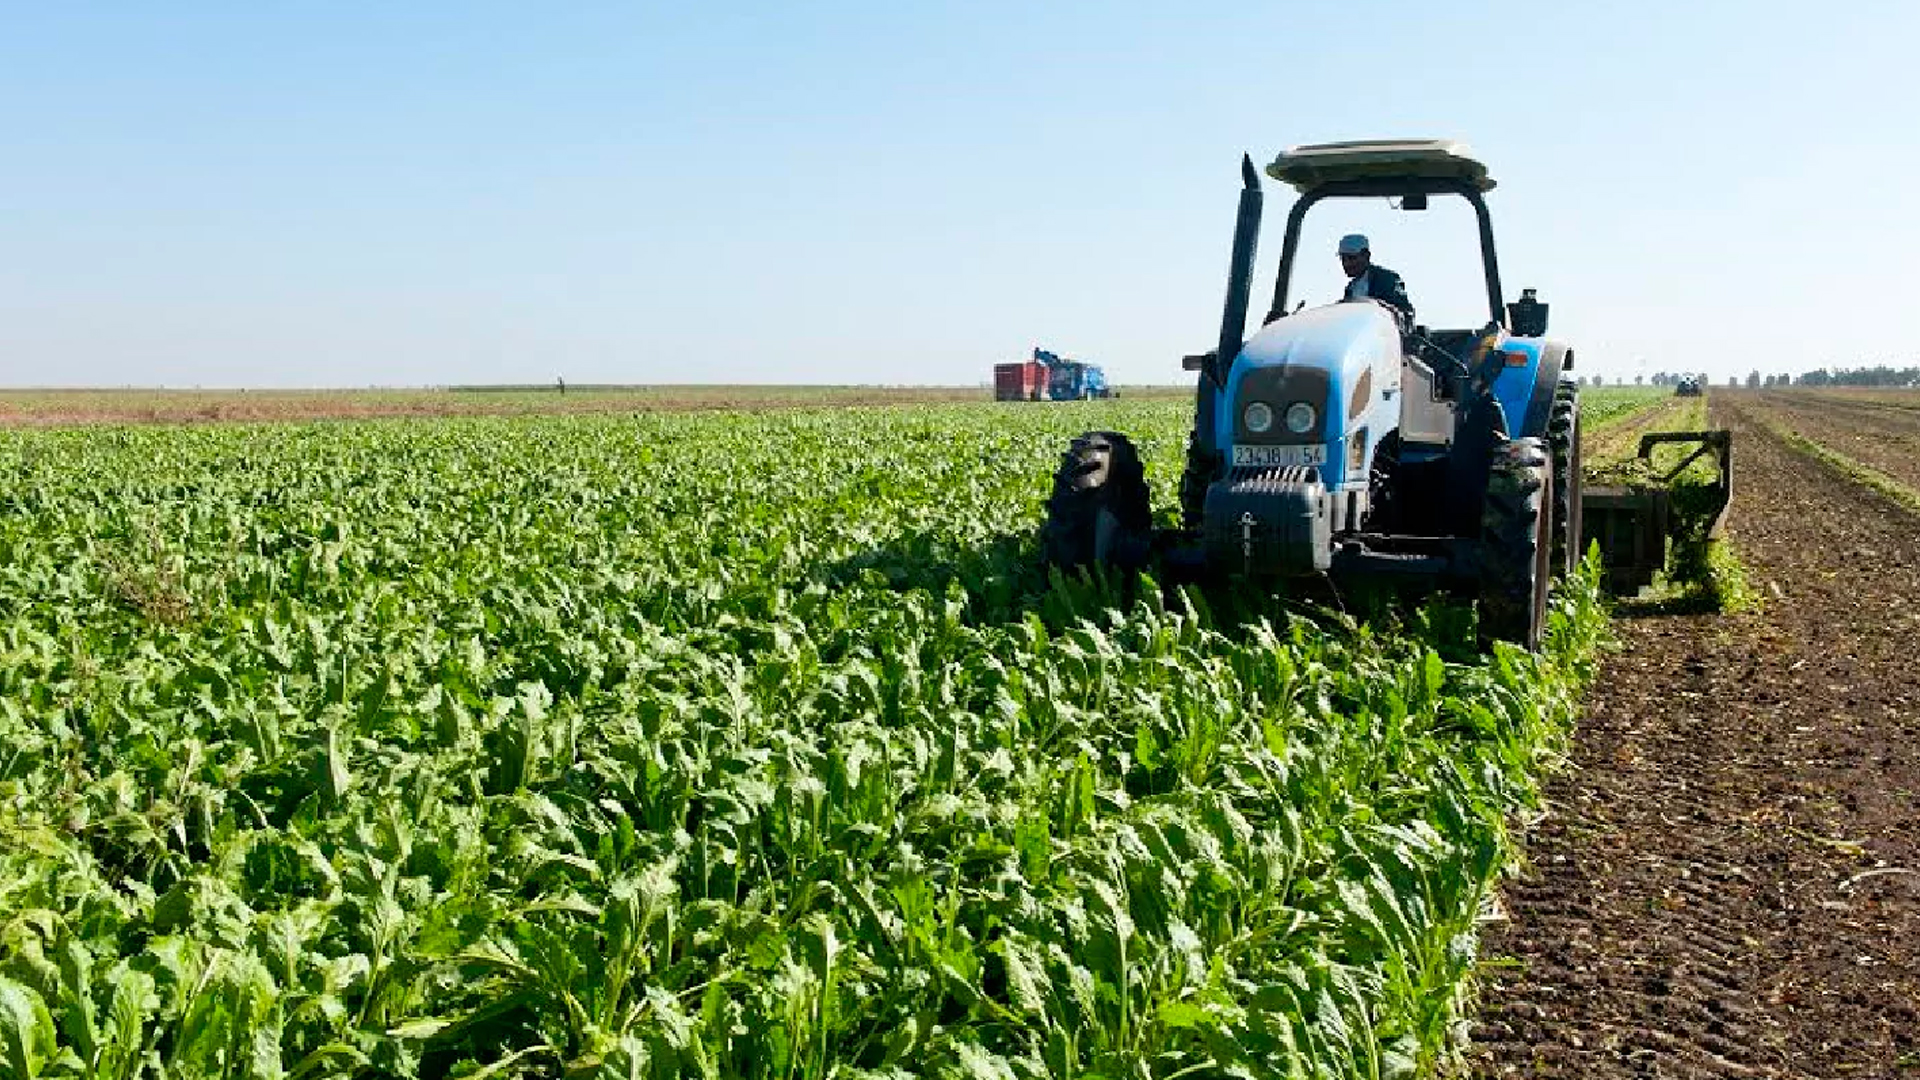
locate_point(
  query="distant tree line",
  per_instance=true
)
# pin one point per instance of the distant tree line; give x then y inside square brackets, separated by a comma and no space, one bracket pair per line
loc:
[1880,375]
[1658,378]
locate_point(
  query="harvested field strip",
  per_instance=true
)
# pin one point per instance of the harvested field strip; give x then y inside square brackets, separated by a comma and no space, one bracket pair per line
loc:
[1850,404]
[1872,414]
[1719,890]
[1884,440]
[1847,468]
[1878,398]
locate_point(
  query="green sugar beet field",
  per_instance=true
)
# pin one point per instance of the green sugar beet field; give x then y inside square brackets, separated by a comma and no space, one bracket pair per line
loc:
[713,745]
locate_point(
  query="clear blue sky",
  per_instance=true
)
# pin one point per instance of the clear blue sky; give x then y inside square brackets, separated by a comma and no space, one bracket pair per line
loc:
[309,194]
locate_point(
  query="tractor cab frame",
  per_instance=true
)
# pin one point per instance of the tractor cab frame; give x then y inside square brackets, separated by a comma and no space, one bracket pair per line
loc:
[1411,171]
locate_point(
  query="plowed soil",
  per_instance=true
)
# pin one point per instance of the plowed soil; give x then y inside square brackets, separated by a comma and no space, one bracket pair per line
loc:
[1728,880]
[1882,435]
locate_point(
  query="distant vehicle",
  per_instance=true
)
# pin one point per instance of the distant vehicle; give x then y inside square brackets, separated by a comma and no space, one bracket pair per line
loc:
[1687,387]
[1022,381]
[1073,380]
[1050,377]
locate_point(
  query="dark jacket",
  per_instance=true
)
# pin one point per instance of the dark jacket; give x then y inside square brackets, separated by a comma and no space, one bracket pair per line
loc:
[1385,286]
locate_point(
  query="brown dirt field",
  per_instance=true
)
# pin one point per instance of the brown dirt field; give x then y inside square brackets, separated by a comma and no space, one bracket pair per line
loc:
[1883,437]
[42,408]
[1851,405]
[1889,397]
[1728,881]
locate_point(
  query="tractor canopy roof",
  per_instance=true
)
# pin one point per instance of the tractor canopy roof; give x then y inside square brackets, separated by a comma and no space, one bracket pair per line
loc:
[1414,164]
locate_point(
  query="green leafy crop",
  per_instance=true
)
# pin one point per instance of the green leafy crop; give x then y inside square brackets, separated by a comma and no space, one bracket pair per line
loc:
[718,745]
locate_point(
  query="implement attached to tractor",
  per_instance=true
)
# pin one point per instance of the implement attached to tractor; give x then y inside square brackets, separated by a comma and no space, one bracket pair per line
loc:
[1634,522]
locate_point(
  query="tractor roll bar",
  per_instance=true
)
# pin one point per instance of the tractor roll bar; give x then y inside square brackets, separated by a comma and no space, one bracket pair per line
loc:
[1388,188]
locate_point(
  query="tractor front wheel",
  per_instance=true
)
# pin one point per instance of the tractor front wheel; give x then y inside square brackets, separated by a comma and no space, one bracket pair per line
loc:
[1101,513]
[1516,532]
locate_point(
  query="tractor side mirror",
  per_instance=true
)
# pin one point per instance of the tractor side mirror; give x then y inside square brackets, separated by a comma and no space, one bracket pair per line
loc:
[1527,315]
[1198,361]
[1416,201]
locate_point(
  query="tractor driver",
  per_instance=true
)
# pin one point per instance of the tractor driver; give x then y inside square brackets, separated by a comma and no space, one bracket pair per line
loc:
[1370,282]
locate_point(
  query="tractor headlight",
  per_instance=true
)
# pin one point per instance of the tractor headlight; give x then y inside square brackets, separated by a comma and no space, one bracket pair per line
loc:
[1258,417]
[1301,417]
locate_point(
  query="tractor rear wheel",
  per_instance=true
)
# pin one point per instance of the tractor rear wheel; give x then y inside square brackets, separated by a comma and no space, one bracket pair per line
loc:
[1563,439]
[1101,513]
[1516,532]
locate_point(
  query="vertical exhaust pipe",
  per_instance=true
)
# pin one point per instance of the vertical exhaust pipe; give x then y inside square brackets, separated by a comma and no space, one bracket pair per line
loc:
[1233,320]
[1203,461]
[1246,240]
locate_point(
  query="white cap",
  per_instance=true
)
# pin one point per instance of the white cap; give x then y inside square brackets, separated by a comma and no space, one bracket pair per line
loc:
[1353,244]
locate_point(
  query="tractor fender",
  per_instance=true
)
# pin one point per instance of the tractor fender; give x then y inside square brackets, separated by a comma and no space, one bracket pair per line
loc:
[1555,357]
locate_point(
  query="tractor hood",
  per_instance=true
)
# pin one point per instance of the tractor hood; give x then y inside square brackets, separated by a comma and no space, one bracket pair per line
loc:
[1323,336]
[1338,358]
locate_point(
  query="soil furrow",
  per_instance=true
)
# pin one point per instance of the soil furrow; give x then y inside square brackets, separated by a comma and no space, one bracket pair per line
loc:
[1695,904]
[1884,438]
[1877,399]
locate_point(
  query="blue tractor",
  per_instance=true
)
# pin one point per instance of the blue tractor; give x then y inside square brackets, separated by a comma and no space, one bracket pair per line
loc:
[1072,380]
[1340,441]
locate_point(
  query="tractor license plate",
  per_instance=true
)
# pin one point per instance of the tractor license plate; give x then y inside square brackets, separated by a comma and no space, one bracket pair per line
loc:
[1279,456]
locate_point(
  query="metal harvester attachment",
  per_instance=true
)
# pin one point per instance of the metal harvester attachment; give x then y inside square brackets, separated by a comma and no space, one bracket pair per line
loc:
[1635,522]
